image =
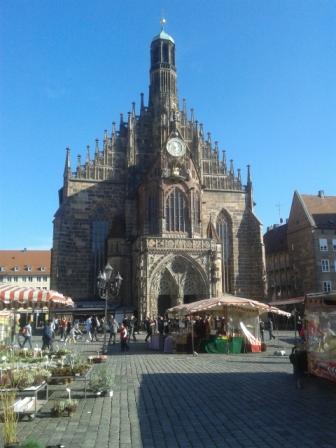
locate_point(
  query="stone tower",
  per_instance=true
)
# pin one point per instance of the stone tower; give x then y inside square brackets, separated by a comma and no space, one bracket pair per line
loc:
[159,203]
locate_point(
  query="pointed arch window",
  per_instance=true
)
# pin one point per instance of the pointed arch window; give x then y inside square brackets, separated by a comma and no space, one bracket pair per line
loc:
[224,233]
[176,211]
[152,213]
[195,210]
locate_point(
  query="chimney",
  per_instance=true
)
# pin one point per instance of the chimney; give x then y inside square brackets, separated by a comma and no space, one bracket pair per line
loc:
[320,194]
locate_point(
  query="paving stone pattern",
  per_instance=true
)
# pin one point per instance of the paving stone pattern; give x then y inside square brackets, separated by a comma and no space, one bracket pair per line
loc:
[161,400]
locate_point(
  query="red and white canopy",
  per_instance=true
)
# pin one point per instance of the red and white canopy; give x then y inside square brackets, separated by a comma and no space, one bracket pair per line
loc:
[11,295]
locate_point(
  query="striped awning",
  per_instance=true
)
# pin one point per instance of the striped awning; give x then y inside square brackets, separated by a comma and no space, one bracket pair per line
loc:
[11,295]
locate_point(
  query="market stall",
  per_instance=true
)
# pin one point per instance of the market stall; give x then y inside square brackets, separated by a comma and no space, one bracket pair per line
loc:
[227,324]
[320,334]
[30,304]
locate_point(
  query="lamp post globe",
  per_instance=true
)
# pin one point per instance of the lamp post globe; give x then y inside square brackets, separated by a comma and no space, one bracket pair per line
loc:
[108,286]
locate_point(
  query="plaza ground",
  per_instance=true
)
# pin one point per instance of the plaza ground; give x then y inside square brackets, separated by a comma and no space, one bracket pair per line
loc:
[177,400]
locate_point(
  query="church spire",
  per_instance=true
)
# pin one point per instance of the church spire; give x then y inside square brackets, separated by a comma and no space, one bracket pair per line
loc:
[162,89]
[67,166]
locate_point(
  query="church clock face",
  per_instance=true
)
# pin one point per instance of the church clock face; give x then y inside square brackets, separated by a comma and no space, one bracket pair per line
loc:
[176,147]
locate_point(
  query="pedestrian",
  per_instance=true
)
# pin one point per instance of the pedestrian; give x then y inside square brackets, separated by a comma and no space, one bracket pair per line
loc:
[298,358]
[262,330]
[123,338]
[149,328]
[47,336]
[160,325]
[63,325]
[27,334]
[94,327]
[88,328]
[132,325]
[113,324]
[270,328]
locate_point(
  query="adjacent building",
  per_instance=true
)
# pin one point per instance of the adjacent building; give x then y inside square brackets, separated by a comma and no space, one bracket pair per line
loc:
[25,268]
[160,202]
[301,254]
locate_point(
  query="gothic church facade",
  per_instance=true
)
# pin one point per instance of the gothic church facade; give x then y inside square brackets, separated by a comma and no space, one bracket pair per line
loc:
[160,205]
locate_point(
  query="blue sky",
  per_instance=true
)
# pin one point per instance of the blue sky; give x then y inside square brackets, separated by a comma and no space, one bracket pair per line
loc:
[260,75]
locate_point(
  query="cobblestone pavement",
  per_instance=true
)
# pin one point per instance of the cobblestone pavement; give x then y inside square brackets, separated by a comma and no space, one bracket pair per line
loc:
[247,400]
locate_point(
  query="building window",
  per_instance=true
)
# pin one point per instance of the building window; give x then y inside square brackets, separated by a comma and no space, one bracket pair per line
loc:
[195,210]
[29,268]
[334,244]
[9,279]
[152,213]
[38,278]
[327,286]
[176,211]
[45,278]
[42,268]
[325,265]
[24,279]
[2,269]
[16,268]
[30,278]
[15,279]
[323,244]
[224,232]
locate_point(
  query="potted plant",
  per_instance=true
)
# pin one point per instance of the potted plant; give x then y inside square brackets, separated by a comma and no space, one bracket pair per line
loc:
[58,408]
[22,378]
[71,406]
[10,419]
[100,381]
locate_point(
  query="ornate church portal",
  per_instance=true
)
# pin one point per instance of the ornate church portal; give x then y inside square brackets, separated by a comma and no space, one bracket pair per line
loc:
[177,280]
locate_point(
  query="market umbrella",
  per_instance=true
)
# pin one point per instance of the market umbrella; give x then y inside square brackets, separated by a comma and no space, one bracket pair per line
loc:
[217,304]
[11,296]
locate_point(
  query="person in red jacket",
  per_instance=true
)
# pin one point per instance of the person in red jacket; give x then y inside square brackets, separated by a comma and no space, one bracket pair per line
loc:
[123,338]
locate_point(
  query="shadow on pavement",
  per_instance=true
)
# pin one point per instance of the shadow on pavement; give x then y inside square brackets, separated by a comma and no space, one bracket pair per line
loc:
[236,410]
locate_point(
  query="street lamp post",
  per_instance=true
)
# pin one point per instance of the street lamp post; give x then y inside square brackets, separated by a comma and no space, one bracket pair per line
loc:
[108,287]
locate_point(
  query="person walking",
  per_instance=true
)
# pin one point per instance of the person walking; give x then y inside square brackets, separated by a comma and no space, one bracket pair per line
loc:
[298,358]
[88,329]
[94,328]
[113,324]
[132,325]
[123,338]
[270,328]
[262,331]
[149,328]
[27,334]
[47,336]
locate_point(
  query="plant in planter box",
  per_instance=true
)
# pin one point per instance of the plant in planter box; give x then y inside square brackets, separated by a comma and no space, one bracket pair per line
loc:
[10,419]
[58,408]
[22,378]
[41,375]
[71,406]
[61,352]
[100,381]
[80,368]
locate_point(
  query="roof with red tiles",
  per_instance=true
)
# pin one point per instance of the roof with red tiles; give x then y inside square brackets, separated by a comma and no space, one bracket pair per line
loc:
[25,262]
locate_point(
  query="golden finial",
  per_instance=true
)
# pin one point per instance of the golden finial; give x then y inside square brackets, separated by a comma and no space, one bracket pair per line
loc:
[162,22]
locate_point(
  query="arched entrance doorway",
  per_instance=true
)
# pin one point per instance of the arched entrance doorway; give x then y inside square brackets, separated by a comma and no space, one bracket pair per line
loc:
[178,279]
